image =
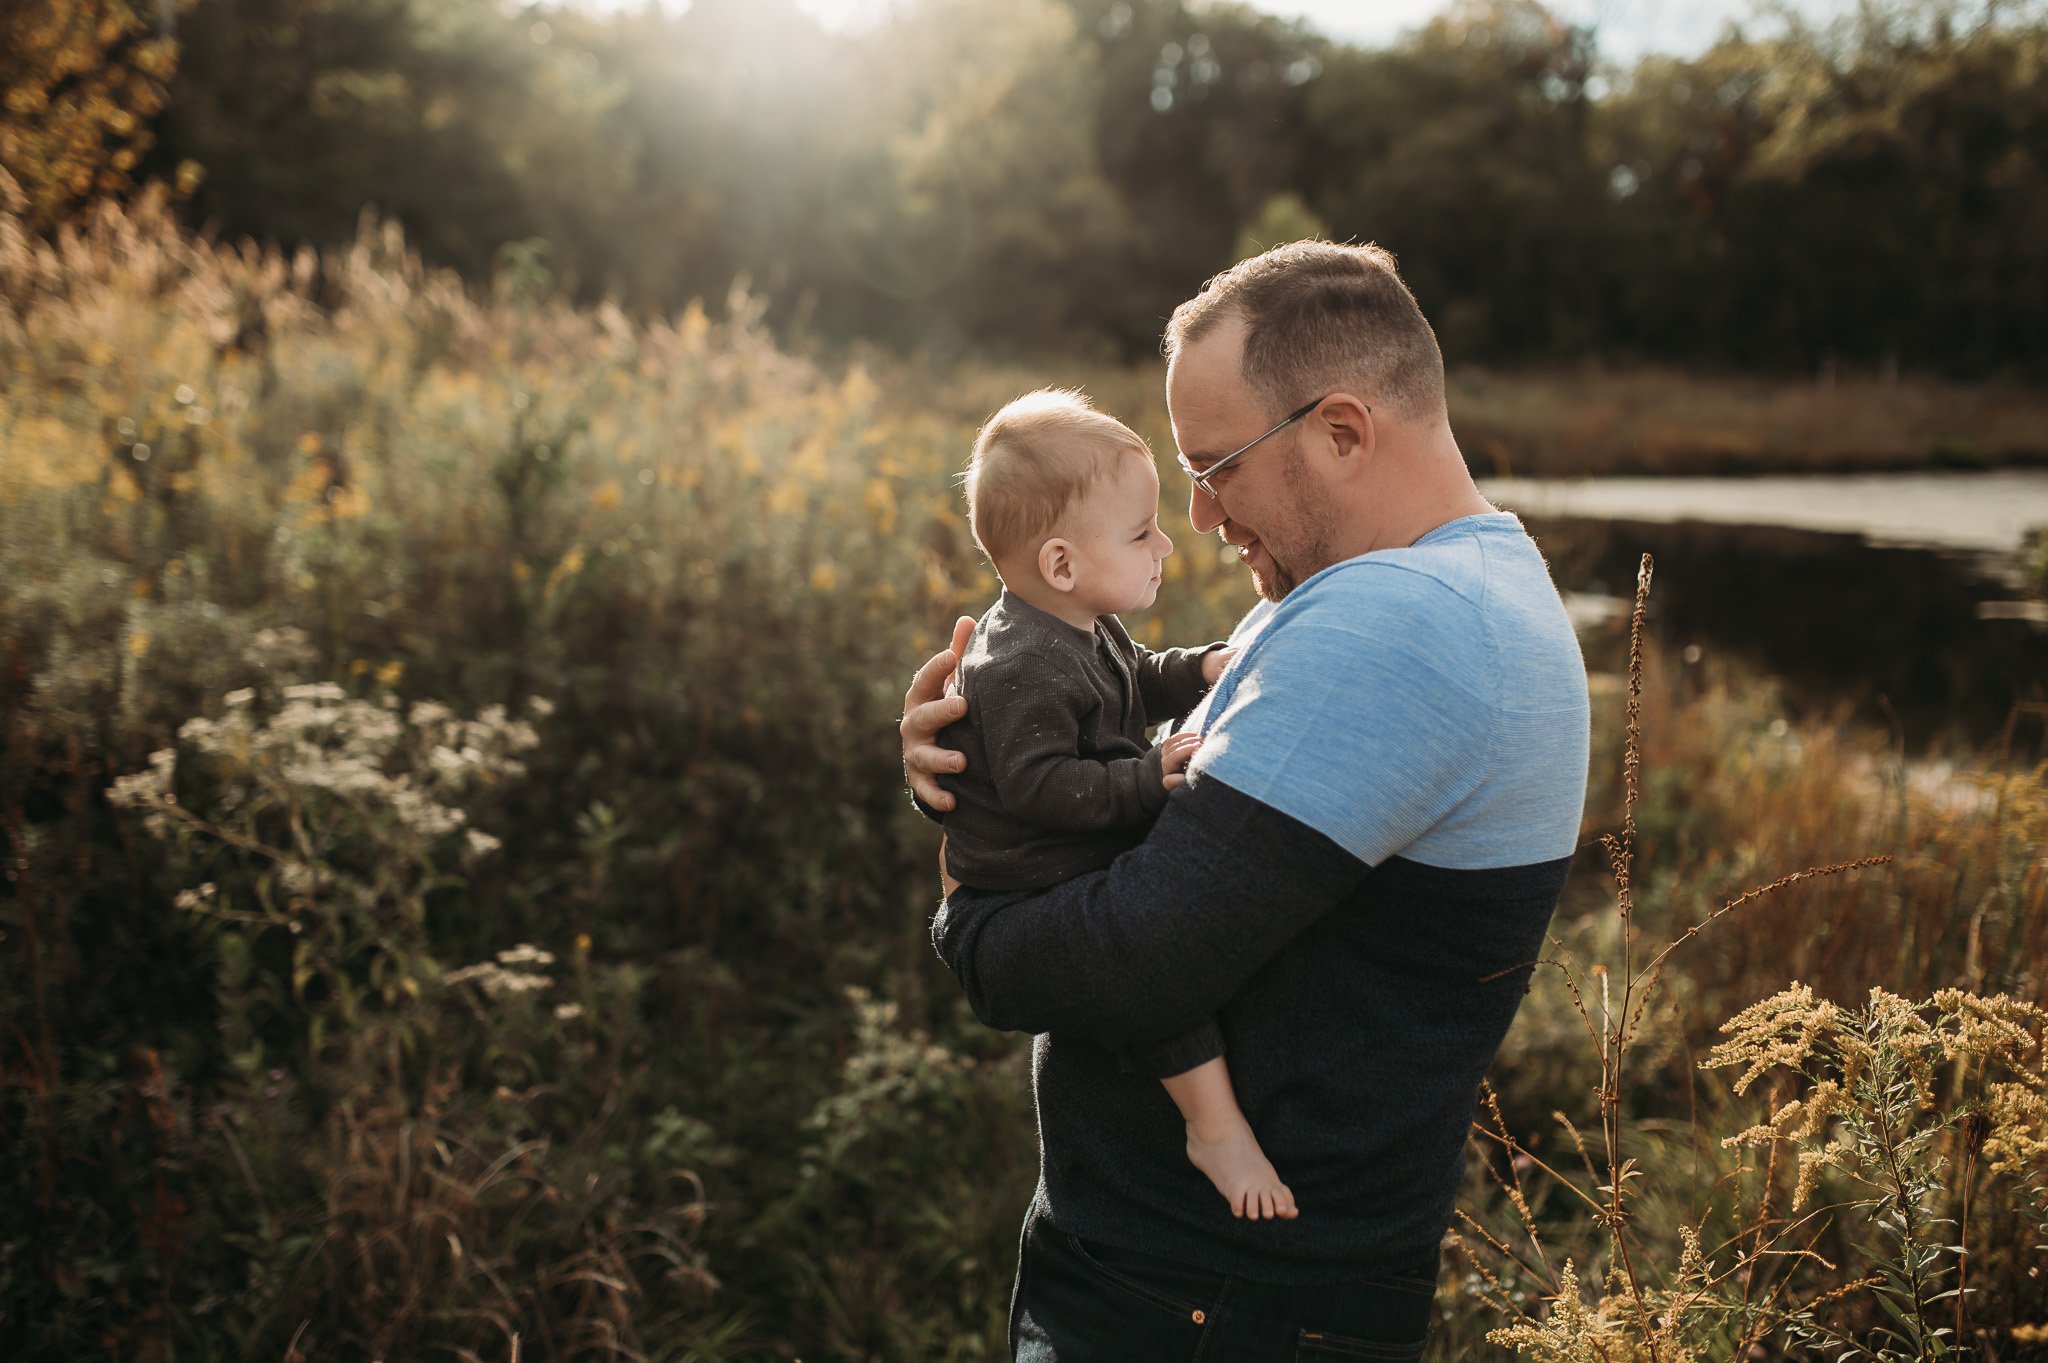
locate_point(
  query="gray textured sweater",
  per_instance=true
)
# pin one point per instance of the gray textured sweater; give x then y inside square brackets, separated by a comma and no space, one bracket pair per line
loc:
[1060,773]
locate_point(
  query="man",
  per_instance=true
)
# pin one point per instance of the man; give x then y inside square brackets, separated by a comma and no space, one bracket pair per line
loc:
[1356,877]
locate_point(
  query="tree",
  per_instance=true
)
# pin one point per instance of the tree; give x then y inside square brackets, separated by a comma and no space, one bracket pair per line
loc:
[82,79]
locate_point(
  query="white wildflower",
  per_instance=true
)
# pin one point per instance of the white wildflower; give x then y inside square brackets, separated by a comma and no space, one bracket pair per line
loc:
[427,818]
[146,789]
[568,1012]
[540,705]
[315,691]
[428,713]
[526,954]
[197,898]
[281,650]
[237,699]
[496,981]
[481,844]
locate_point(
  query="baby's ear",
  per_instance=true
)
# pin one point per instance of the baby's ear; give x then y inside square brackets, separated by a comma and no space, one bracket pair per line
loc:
[1056,564]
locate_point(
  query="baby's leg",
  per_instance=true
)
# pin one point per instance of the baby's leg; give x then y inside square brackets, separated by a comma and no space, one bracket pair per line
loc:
[1221,1143]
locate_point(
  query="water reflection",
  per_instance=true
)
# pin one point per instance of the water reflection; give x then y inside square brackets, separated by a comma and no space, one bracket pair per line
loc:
[1987,512]
[1897,633]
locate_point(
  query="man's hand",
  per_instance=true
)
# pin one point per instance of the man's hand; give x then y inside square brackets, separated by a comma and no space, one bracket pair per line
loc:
[926,710]
[1174,754]
[1214,661]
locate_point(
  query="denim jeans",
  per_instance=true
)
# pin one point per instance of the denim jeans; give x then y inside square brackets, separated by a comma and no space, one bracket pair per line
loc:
[1080,1302]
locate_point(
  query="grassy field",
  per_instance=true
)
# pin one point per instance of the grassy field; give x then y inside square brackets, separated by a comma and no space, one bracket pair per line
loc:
[458,889]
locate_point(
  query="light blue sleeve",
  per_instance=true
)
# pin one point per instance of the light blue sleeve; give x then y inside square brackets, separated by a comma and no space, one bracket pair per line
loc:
[1365,709]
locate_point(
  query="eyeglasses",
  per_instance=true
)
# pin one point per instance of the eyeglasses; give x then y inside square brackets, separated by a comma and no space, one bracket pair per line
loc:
[1201,479]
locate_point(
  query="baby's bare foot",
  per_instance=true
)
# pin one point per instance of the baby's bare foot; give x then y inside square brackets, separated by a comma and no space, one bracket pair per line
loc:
[1230,1155]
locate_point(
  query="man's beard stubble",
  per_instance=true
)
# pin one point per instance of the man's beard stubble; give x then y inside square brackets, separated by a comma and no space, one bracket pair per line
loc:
[1308,557]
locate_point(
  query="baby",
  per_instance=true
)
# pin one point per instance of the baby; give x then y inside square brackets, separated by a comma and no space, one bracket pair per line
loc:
[1060,778]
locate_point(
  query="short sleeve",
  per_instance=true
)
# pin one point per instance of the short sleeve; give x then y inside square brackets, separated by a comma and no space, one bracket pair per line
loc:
[1366,713]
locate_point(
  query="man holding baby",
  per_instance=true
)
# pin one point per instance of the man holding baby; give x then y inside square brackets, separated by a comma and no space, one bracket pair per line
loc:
[1351,885]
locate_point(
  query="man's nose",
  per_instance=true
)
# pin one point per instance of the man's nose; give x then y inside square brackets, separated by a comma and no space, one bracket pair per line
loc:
[1203,512]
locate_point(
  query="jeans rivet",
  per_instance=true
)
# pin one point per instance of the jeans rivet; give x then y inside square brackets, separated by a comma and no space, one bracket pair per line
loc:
[1199,1318]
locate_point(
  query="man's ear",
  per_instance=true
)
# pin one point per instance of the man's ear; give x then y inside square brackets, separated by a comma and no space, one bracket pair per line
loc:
[1349,423]
[1056,564]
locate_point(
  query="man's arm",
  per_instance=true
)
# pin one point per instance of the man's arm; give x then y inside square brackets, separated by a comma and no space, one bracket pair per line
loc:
[1162,938]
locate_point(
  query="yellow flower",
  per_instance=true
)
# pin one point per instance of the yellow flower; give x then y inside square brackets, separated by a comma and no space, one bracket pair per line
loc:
[309,444]
[880,501]
[824,578]
[520,571]
[358,666]
[608,495]
[138,642]
[571,564]
[389,674]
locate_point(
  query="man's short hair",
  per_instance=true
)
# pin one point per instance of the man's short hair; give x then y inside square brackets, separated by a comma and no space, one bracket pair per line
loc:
[1322,317]
[1032,460]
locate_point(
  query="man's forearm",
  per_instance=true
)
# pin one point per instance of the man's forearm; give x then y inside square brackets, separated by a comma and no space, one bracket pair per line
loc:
[1158,941]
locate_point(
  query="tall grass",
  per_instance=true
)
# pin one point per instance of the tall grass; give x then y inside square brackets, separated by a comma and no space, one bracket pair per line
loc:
[534,955]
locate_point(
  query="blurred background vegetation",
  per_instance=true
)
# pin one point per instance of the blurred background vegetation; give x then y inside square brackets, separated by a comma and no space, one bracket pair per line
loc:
[1030,174]
[475,478]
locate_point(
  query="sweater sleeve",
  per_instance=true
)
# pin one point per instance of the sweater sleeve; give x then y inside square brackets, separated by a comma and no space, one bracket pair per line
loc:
[1032,716]
[1170,682]
[1154,945]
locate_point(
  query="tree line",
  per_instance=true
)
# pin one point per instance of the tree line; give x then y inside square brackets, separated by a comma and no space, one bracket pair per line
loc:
[1032,174]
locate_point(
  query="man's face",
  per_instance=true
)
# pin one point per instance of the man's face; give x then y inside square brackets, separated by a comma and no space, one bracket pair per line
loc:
[1268,504]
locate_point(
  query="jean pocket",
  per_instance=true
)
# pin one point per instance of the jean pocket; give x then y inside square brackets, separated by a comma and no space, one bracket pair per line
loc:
[1412,1284]
[1156,1284]
[1315,1346]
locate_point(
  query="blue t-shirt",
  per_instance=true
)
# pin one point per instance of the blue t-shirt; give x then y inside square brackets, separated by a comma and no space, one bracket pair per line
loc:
[1474,751]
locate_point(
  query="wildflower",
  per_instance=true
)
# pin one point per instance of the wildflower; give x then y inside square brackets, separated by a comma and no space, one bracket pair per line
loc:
[1783,1029]
[540,705]
[568,1012]
[142,789]
[481,843]
[197,898]
[2000,1027]
[295,877]
[526,954]
[425,817]
[496,981]
[234,700]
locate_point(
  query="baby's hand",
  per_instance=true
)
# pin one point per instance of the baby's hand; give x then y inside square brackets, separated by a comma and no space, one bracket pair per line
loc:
[1174,754]
[1213,663]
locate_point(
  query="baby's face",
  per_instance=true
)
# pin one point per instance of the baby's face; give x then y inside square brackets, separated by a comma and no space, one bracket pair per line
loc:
[1118,545]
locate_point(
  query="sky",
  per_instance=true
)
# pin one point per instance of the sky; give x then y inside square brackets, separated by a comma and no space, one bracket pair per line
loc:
[1627,28]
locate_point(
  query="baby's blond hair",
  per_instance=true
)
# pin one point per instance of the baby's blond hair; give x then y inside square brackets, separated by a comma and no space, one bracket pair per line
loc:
[1032,460]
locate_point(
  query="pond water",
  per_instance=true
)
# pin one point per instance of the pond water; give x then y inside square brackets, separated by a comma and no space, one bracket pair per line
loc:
[1898,596]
